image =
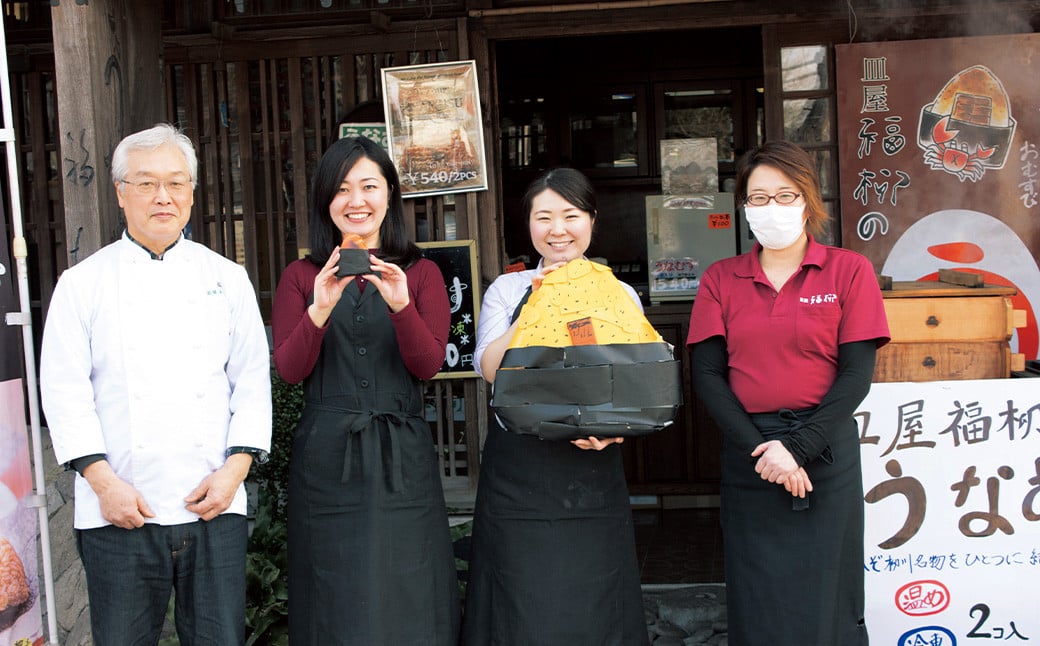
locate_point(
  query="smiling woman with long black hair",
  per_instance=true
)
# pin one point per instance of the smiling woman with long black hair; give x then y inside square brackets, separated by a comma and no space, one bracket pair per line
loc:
[370,557]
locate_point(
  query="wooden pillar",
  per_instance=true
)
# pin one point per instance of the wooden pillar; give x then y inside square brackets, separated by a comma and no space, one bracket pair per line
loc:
[486,225]
[774,105]
[109,83]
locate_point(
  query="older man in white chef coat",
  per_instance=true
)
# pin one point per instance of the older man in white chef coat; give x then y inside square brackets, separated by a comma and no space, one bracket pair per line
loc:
[156,387]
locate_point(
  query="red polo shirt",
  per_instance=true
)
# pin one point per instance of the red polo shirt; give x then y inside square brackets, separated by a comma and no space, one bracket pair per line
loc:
[783,347]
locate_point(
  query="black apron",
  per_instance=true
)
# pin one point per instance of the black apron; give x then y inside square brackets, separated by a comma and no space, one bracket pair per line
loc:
[794,569]
[370,556]
[553,554]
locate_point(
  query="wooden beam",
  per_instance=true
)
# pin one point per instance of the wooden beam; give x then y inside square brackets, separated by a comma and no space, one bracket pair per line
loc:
[574,19]
[379,21]
[317,41]
[962,278]
[109,83]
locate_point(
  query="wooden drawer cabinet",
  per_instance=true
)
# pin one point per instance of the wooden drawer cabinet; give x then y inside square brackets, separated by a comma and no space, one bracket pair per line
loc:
[949,318]
[948,332]
[943,361]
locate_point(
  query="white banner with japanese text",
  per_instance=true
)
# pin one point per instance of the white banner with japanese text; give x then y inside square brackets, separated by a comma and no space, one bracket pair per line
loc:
[951,477]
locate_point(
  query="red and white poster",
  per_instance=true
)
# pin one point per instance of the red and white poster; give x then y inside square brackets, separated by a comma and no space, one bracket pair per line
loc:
[939,150]
[20,617]
[951,476]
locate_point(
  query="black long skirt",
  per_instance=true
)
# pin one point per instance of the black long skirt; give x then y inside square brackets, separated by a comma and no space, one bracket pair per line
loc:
[794,577]
[553,558]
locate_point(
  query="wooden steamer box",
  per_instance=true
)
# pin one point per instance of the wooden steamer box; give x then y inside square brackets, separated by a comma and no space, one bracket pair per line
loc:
[948,331]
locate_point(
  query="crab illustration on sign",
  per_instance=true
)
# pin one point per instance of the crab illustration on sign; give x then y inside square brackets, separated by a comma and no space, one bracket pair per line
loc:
[968,127]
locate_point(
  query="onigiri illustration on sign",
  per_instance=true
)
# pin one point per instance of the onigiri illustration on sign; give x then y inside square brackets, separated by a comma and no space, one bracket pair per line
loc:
[968,128]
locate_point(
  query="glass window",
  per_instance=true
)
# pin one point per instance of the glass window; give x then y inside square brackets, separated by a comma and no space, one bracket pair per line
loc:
[804,68]
[690,114]
[807,121]
[825,167]
[523,132]
[605,133]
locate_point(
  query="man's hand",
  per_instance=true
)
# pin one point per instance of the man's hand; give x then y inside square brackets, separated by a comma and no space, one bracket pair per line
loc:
[215,493]
[121,504]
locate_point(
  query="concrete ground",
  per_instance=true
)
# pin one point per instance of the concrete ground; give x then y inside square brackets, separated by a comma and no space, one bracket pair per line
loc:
[686,615]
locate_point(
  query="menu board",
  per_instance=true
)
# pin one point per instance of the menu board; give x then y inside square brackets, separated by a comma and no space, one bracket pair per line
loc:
[457,260]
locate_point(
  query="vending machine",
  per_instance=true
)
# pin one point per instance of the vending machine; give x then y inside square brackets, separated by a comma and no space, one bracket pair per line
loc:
[684,235]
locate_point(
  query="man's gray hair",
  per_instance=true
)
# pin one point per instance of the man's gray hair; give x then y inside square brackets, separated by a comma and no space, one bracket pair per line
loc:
[150,139]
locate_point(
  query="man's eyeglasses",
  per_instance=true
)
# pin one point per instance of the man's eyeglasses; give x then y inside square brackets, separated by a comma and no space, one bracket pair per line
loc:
[782,198]
[150,187]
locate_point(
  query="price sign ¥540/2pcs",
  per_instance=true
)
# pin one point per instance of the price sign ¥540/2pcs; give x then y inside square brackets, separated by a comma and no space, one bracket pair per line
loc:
[434,127]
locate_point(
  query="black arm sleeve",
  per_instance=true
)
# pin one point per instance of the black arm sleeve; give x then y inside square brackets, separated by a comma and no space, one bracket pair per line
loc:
[855,371]
[82,462]
[711,382]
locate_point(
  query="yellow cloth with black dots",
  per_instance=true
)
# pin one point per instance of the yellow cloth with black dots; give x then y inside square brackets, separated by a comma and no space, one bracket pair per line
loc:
[581,303]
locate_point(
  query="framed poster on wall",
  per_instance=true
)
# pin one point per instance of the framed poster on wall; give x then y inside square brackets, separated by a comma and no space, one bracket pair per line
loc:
[434,128]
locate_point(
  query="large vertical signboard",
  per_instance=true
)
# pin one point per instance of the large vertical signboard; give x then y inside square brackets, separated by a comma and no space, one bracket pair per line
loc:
[951,476]
[939,147]
[20,619]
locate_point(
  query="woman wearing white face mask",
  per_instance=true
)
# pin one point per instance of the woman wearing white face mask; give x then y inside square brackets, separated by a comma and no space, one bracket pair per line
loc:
[783,341]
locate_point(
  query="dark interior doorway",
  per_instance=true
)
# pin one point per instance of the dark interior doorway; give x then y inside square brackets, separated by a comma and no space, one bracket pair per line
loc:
[603,104]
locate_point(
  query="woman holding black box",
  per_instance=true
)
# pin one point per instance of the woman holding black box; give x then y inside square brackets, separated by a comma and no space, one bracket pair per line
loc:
[370,557]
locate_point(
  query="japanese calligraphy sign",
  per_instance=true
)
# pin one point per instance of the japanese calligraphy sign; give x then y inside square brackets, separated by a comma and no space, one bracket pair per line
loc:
[940,165]
[951,477]
[457,260]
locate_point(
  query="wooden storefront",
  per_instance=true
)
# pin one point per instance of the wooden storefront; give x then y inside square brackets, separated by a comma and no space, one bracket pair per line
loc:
[261,87]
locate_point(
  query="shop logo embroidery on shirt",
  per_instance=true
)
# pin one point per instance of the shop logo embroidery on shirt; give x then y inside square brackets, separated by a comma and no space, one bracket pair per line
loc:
[818,298]
[216,291]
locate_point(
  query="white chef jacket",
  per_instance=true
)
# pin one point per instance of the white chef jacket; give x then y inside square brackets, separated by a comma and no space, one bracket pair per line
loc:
[161,365]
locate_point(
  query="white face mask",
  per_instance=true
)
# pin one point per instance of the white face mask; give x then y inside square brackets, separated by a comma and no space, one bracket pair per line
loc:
[776,226]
